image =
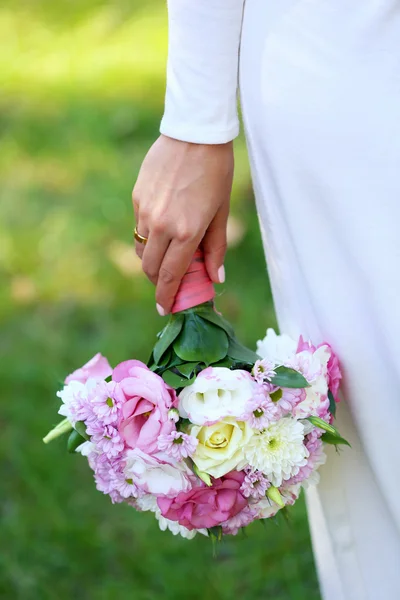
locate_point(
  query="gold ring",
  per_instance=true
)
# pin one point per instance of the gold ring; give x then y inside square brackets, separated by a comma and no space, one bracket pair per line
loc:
[139,238]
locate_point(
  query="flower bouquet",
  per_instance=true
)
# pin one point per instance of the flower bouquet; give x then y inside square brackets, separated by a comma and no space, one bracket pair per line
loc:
[209,435]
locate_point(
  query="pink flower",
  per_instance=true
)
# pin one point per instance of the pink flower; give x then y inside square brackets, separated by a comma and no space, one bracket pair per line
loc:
[97,368]
[205,507]
[145,412]
[242,519]
[107,400]
[334,373]
[263,370]
[261,411]
[303,345]
[159,474]
[108,441]
[177,444]
[290,398]
[254,485]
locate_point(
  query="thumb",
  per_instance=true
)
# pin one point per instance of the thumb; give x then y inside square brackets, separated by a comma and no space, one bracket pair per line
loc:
[214,245]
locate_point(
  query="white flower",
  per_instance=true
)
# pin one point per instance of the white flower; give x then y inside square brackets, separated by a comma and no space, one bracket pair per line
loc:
[276,348]
[266,508]
[86,448]
[75,401]
[149,503]
[216,393]
[158,474]
[278,451]
[221,446]
[314,367]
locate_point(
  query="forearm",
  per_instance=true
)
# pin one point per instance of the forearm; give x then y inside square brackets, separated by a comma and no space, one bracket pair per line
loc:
[201,97]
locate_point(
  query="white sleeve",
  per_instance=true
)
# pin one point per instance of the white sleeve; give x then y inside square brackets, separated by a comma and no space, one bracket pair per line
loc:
[202,72]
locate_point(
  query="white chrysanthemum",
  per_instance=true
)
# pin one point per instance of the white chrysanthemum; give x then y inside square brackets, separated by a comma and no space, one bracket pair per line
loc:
[278,451]
[278,349]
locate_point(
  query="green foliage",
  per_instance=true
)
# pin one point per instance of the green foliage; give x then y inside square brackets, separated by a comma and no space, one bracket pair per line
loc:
[332,403]
[74,440]
[289,378]
[200,340]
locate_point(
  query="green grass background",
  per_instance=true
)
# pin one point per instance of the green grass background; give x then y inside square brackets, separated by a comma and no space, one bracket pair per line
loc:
[81,98]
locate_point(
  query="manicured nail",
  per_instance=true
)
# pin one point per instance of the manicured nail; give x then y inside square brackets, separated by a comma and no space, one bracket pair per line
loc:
[160,310]
[221,274]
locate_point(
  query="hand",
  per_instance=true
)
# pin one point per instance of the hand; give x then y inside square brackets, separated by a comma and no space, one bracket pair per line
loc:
[181,200]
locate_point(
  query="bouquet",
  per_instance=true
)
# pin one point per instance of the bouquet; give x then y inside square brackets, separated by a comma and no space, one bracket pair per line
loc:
[209,435]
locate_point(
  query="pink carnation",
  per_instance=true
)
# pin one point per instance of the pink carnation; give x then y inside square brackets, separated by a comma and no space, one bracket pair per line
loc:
[205,507]
[145,411]
[97,368]
[334,374]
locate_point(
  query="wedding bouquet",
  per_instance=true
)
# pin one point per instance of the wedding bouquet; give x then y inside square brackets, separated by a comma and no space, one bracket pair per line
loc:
[209,436]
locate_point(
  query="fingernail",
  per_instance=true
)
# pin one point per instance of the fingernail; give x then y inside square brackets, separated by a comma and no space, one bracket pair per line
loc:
[221,274]
[160,310]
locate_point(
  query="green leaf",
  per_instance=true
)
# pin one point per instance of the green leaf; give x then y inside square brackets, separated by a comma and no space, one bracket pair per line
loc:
[176,381]
[168,336]
[74,440]
[332,403]
[321,424]
[289,378]
[209,313]
[215,533]
[200,341]
[186,369]
[336,440]
[239,352]
[80,427]
[225,362]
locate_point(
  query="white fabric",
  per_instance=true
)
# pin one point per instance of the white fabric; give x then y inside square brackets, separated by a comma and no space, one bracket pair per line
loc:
[320,90]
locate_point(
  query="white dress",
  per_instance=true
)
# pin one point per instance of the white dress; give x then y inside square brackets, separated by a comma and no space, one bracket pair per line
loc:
[320,94]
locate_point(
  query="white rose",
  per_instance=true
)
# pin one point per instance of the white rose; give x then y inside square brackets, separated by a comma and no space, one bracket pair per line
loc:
[220,447]
[279,349]
[216,393]
[158,474]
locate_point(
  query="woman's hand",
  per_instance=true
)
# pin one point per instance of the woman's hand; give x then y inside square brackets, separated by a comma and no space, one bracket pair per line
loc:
[181,200]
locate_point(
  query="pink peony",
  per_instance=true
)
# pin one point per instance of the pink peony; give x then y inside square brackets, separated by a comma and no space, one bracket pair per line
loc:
[206,507]
[145,412]
[97,368]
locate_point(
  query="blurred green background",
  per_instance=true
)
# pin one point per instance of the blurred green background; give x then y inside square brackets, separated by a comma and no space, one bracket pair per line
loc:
[82,90]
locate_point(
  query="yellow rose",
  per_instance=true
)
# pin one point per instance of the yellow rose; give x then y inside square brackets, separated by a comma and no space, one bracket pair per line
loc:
[220,447]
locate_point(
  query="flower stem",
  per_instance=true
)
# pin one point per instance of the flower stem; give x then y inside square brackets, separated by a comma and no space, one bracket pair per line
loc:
[63,427]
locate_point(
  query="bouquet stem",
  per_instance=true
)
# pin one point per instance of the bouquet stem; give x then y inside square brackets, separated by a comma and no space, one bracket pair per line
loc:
[63,427]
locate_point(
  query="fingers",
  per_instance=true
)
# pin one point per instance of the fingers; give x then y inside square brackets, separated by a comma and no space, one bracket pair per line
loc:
[154,252]
[174,266]
[214,245]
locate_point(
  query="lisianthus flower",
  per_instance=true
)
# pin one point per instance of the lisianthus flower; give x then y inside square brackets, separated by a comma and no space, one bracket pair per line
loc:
[145,410]
[97,368]
[278,451]
[216,393]
[277,349]
[158,474]
[177,444]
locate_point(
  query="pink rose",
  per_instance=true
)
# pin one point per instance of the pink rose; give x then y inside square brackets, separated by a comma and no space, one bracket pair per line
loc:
[145,411]
[205,507]
[97,368]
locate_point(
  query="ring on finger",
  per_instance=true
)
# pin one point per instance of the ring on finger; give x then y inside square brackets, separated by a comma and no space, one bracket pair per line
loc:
[139,238]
